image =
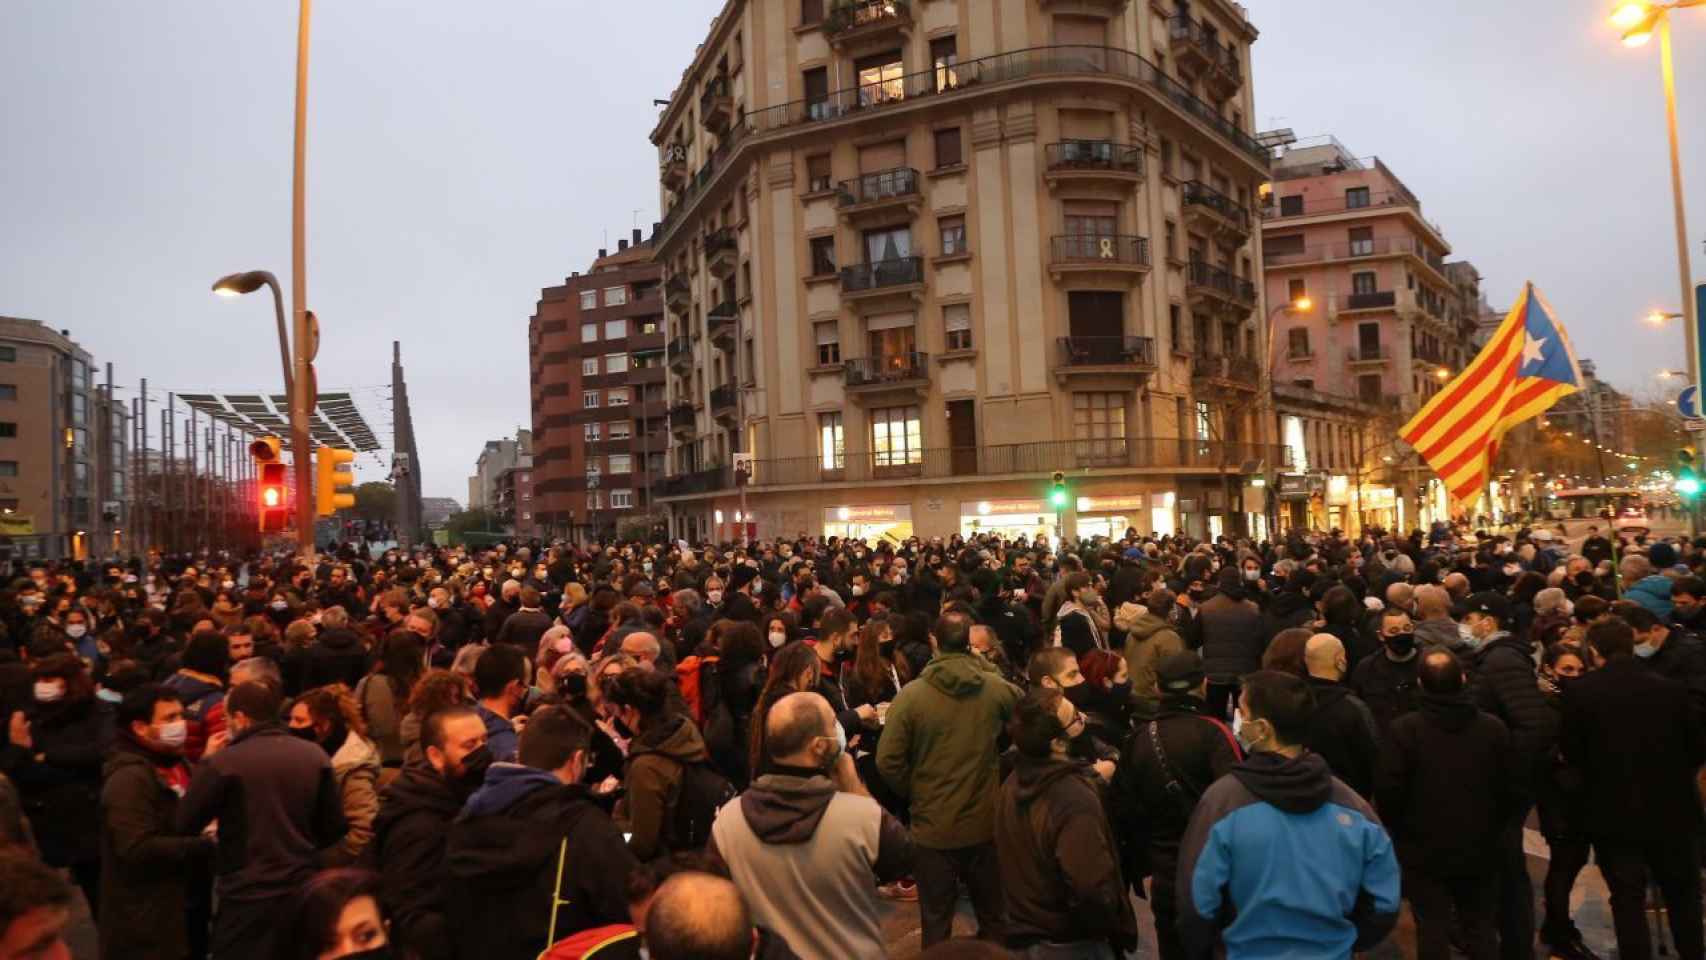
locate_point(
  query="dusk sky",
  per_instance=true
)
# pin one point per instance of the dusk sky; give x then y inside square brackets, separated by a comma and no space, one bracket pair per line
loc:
[463,156]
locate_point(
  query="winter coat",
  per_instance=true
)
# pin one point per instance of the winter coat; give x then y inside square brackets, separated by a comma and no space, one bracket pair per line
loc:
[415,813]
[61,791]
[1387,686]
[1076,630]
[1232,640]
[1341,730]
[1060,872]
[1442,632]
[808,858]
[202,698]
[338,656]
[1447,786]
[1154,801]
[277,805]
[1652,592]
[495,615]
[146,871]
[355,767]
[653,780]
[502,864]
[938,749]
[1504,685]
[1285,824]
[523,629]
[1149,640]
[1638,743]
[382,707]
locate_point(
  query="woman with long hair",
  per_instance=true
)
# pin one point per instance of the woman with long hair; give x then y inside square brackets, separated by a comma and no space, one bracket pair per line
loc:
[434,690]
[331,717]
[793,669]
[384,692]
[338,915]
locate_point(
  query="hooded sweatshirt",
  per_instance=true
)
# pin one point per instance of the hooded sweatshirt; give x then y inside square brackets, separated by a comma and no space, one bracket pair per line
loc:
[653,778]
[1148,640]
[808,859]
[938,749]
[415,811]
[1297,861]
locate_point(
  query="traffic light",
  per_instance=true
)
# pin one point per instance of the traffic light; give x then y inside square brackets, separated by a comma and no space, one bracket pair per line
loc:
[332,475]
[1057,492]
[1687,474]
[272,493]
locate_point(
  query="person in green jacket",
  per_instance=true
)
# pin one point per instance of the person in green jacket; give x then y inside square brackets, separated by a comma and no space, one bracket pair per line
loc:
[938,750]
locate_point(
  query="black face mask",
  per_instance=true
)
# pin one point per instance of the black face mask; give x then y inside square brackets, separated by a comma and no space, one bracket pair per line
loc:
[473,774]
[304,733]
[1401,644]
[573,685]
[1079,696]
[377,953]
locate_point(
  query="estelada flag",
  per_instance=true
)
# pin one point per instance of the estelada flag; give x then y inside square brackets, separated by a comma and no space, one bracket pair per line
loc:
[1523,370]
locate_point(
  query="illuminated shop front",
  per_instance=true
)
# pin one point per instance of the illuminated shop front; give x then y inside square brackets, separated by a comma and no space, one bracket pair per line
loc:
[1110,516]
[873,522]
[1008,518]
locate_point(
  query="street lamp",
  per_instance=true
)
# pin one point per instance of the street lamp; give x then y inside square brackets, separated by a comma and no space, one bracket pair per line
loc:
[1657,318]
[1638,20]
[237,284]
[1302,304]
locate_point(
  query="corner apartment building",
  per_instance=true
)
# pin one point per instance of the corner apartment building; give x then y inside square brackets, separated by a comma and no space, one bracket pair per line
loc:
[1389,322]
[600,421]
[63,448]
[919,255]
[495,458]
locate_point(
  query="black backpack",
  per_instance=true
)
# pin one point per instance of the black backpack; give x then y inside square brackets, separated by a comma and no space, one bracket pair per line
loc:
[701,793]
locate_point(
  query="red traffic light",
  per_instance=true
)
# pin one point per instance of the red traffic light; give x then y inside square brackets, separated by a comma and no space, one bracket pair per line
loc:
[274,514]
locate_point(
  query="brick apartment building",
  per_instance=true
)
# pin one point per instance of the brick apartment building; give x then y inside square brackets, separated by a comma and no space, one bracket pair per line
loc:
[600,424]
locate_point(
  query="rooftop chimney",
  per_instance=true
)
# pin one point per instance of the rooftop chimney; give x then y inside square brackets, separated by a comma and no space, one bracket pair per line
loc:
[636,236]
[621,244]
[602,253]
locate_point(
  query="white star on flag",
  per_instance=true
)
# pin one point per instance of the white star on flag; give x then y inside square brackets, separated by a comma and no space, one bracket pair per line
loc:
[1533,349]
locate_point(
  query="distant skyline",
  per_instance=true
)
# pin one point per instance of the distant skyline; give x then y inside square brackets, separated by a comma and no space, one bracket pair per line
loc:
[459,163]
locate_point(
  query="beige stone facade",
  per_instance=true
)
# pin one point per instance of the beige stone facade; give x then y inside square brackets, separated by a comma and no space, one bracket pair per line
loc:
[919,256]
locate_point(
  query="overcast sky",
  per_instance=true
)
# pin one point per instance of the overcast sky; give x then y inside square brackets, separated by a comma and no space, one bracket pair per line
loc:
[462,156]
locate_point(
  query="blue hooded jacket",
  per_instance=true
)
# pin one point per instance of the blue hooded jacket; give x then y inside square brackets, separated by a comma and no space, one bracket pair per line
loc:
[505,784]
[1652,592]
[1284,860]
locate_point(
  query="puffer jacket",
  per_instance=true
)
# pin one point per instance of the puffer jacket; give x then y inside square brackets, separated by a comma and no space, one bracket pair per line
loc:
[1232,641]
[653,778]
[1652,592]
[1147,641]
[355,769]
[1504,685]
[415,813]
[145,869]
[938,749]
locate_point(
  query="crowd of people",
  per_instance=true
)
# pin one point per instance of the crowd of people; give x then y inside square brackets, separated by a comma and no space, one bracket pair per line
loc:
[724,752]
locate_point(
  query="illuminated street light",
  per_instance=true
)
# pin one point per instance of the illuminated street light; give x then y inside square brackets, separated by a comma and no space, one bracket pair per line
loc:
[1657,318]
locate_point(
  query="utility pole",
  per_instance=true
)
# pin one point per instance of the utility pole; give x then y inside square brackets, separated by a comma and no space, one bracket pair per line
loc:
[307,339]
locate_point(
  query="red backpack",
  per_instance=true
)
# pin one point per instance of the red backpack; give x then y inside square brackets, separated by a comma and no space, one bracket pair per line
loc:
[618,941]
[689,675]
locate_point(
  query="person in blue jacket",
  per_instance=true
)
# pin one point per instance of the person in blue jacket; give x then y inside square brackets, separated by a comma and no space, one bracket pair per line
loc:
[1281,859]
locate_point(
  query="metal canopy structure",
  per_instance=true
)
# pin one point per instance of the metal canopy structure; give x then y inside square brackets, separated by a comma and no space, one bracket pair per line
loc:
[334,422]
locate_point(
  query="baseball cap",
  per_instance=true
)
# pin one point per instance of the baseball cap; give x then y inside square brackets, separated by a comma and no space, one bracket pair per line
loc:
[1179,672]
[1492,604]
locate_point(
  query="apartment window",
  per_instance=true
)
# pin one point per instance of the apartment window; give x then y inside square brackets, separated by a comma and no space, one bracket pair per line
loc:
[615,329]
[1362,241]
[615,296]
[879,78]
[590,399]
[818,176]
[589,332]
[956,322]
[953,231]
[79,375]
[1291,206]
[589,366]
[1364,281]
[1091,218]
[1306,383]
[1368,388]
[897,436]
[889,243]
[621,499]
[650,325]
[615,363]
[8,468]
[832,453]
[1098,424]
[621,463]
[1298,341]
[816,82]
[828,336]
[811,11]
[1296,289]
[595,500]
[8,429]
[618,398]
[1356,197]
[823,256]
[948,148]
[594,432]
[589,299]
[1172,249]
[944,54]
[621,429]
[1175,325]
[79,409]
[1204,420]
[8,391]
[1166,157]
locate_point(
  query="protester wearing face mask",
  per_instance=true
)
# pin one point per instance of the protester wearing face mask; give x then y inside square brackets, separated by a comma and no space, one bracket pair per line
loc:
[1387,682]
[57,747]
[806,844]
[1501,669]
[282,790]
[1259,829]
[1107,703]
[331,717]
[340,917]
[415,814]
[1562,817]
[146,870]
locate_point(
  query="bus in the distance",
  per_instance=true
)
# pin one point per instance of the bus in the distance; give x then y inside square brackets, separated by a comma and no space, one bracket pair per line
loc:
[1621,508]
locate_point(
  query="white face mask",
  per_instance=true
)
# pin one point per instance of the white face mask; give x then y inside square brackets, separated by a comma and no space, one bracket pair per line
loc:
[778,638]
[49,692]
[173,734]
[858,591]
[434,602]
[715,596]
[227,584]
[76,630]
[281,604]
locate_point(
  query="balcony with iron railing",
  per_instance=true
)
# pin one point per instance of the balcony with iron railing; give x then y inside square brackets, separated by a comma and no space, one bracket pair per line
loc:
[1367,353]
[681,416]
[720,323]
[716,104]
[850,20]
[708,480]
[1202,277]
[722,251]
[1014,67]
[1198,50]
[882,276]
[723,399]
[1082,252]
[677,292]
[1134,353]
[1091,160]
[1282,207]
[1225,213]
[1373,300]
[879,190]
[1279,256]
[1238,371]
[672,166]
[887,370]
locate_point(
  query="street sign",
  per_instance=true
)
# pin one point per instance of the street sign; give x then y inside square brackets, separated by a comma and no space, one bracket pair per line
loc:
[1688,402]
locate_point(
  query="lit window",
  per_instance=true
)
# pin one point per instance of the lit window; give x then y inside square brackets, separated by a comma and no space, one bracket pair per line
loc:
[897,436]
[831,442]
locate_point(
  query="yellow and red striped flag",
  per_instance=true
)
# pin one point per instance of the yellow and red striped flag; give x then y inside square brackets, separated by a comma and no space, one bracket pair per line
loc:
[1524,369]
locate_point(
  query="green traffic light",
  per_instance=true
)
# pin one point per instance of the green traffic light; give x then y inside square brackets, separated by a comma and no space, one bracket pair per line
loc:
[1057,497]
[1688,486]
